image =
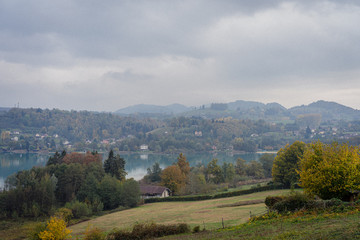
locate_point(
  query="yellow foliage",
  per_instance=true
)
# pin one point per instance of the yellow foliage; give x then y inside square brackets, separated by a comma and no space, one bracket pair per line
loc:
[55,230]
[330,170]
[173,178]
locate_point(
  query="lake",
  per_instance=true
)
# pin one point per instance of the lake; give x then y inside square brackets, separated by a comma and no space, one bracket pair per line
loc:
[136,163]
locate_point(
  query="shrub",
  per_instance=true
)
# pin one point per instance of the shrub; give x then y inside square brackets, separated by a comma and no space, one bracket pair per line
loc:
[94,234]
[79,209]
[55,229]
[293,202]
[271,200]
[64,213]
[196,229]
[152,230]
[34,233]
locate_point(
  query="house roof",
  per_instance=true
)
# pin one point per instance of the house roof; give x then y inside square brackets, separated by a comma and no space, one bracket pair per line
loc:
[150,189]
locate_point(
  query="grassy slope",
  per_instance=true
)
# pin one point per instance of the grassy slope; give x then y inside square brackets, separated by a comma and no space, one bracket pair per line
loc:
[10,230]
[193,213]
[322,227]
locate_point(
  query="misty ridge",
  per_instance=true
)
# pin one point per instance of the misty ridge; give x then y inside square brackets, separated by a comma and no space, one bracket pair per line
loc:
[241,109]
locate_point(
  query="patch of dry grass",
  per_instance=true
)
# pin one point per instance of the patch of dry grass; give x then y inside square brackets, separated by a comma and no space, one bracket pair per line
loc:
[243,203]
[194,213]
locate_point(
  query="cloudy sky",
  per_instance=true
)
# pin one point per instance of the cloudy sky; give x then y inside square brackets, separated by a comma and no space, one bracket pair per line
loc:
[106,55]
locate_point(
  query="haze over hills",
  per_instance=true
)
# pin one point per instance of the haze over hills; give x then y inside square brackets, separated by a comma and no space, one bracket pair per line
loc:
[241,109]
[155,109]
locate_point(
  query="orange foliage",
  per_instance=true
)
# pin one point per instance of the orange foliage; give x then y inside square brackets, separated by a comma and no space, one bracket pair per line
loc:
[81,158]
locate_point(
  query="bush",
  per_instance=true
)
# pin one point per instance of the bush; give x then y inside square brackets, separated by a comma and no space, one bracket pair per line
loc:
[196,229]
[34,233]
[152,230]
[55,229]
[79,209]
[94,234]
[270,201]
[64,213]
[294,202]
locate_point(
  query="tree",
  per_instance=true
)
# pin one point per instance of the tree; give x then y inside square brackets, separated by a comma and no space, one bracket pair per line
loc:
[286,164]
[115,166]
[110,192]
[173,178]
[56,159]
[255,170]
[267,161]
[240,167]
[130,193]
[331,170]
[89,189]
[154,173]
[214,172]
[228,171]
[183,164]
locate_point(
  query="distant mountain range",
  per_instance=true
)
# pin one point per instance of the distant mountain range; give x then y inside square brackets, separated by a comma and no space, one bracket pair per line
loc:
[247,110]
[153,109]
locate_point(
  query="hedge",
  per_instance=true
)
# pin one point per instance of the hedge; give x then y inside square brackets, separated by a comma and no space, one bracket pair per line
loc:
[214,196]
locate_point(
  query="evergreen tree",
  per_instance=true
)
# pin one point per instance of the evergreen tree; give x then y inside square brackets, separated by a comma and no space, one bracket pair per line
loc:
[115,166]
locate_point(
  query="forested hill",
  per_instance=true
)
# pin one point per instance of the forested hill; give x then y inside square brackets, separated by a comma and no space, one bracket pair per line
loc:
[37,129]
[213,128]
[240,109]
[72,125]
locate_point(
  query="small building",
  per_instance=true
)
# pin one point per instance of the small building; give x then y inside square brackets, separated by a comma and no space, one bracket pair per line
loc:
[144,147]
[150,191]
[198,133]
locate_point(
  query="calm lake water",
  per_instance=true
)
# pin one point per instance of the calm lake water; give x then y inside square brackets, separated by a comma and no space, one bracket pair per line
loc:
[136,164]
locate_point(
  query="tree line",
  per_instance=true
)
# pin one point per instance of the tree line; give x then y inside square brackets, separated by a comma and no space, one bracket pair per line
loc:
[80,182]
[182,179]
[93,131]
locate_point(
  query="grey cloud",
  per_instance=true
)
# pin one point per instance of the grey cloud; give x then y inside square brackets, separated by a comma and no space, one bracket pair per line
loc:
[126,75]
[221,49]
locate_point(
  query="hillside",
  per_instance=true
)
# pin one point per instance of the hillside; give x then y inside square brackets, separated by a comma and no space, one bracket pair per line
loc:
[328,111]
[248,110]
[153,109]
[195,213]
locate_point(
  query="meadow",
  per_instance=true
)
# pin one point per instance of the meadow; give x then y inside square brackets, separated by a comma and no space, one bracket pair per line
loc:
[208,213]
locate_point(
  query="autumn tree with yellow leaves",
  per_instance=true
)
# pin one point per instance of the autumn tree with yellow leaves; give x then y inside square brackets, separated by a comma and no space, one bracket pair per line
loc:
[330,170]
[55,230]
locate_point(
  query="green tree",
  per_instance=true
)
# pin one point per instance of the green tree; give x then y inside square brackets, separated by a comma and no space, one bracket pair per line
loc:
[240,167]
[130,193]
[115,166]
[154,173]
[89,190]
[110,192]
[331,170]
[214,172]
[255,170]
[56,159]
[228,171]
[267,161]
[286,164]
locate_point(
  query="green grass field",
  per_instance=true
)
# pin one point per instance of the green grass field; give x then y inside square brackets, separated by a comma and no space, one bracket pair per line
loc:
[201,213]
[315,227]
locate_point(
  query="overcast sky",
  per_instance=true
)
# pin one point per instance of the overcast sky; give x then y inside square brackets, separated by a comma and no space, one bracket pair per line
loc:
[106,55]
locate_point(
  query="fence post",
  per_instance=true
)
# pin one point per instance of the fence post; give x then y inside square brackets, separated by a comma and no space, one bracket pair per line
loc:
[222,222]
